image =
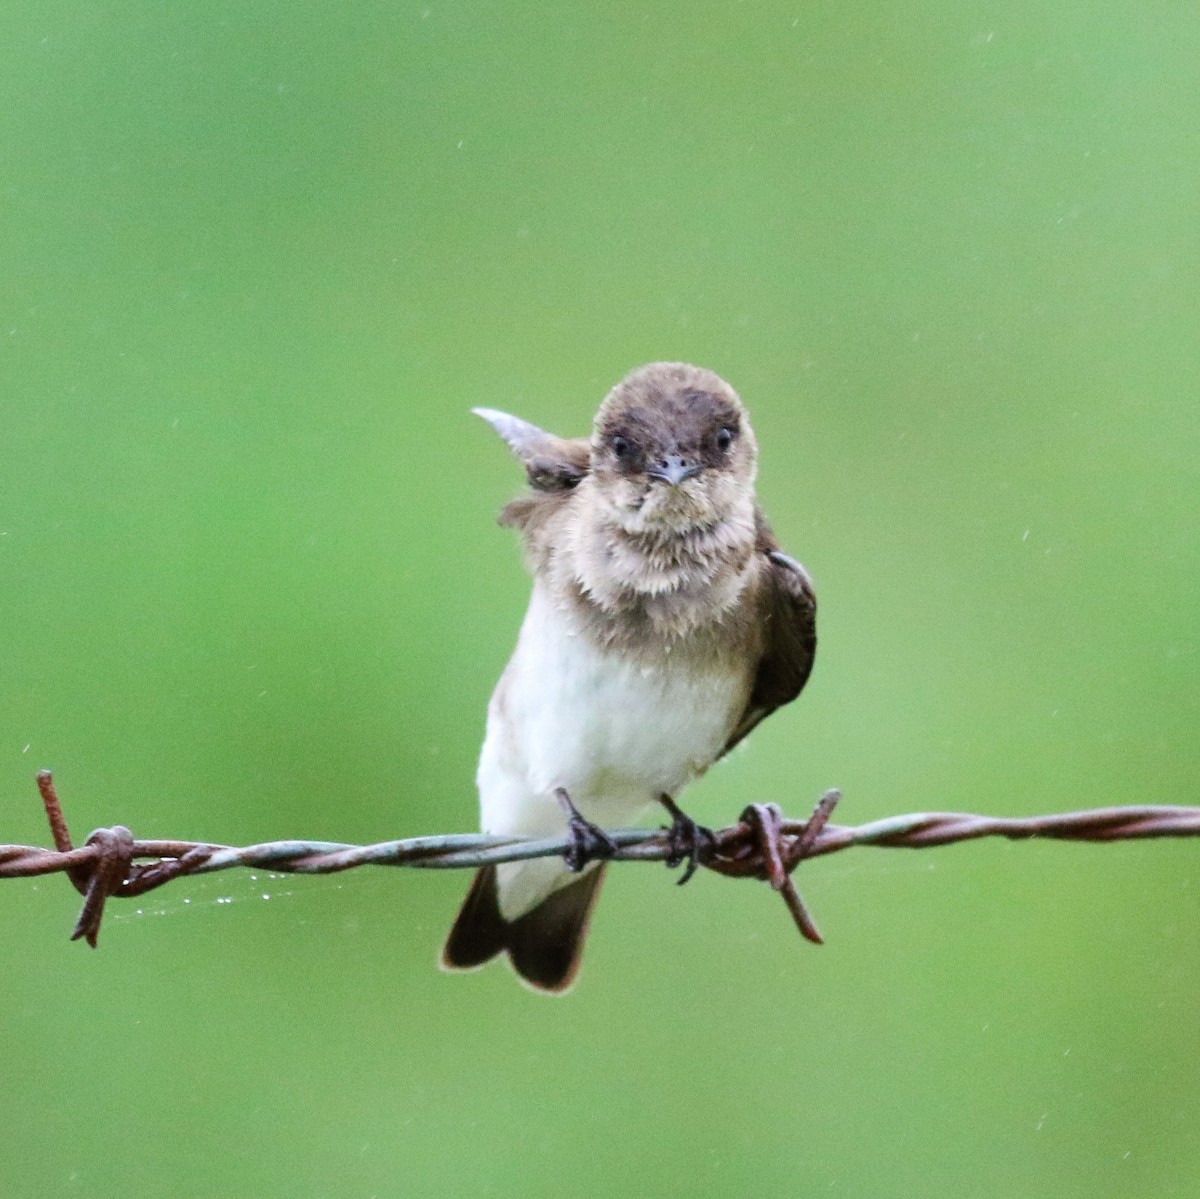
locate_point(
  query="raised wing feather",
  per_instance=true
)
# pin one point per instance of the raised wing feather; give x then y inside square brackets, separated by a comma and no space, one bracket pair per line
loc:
[552,463]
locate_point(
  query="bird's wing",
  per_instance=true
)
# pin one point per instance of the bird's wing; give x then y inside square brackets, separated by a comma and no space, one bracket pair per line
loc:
[552,463]
[790,616]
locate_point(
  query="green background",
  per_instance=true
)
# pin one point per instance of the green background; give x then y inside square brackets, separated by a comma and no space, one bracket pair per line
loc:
[257,261]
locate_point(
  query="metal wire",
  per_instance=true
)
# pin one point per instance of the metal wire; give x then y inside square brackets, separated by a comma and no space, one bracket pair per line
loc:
[763,844]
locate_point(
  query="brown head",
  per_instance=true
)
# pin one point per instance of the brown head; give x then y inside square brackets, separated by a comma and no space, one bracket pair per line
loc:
[672,449]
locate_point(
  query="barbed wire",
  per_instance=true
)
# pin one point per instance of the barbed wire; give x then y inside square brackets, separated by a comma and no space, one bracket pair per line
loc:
[763,844]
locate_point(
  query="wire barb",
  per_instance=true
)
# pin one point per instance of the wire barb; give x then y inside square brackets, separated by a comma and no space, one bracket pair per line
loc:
[763,844]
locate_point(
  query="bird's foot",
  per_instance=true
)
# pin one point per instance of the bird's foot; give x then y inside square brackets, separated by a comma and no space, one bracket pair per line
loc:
[688,841]
[588,841]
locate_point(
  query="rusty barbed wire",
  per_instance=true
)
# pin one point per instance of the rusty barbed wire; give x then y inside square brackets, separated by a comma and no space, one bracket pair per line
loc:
[763,844]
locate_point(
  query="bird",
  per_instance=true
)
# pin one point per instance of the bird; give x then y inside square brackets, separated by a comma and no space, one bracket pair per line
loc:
[664,624]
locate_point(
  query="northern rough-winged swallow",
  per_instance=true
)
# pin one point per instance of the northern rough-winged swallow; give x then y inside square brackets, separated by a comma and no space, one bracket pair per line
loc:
[664,624]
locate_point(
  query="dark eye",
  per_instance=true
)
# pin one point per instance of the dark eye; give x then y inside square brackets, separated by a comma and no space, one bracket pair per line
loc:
[725,437]
[620,446]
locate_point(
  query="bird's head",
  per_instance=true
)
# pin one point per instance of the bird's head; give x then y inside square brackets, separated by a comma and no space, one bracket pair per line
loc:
[672,450]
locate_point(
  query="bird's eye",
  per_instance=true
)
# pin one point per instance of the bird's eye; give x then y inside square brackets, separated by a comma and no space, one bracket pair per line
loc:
[724,438]
[620,446]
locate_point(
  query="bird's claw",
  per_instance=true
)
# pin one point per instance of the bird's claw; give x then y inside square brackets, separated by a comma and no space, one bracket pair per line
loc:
[686,840]
[588,841]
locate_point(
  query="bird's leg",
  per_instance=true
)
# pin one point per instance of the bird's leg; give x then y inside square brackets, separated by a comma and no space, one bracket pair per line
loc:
[687,839]
[588,841]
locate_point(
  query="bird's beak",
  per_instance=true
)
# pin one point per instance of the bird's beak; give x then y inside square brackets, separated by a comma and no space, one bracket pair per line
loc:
[674,469]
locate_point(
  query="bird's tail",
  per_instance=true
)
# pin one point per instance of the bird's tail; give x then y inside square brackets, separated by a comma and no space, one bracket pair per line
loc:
[545,944]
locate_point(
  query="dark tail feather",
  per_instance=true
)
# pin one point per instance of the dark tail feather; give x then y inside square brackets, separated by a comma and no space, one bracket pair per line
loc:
[545,945]
[479,931]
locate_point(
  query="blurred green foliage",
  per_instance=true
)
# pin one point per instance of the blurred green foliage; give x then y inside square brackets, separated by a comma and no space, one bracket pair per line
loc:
[258,262]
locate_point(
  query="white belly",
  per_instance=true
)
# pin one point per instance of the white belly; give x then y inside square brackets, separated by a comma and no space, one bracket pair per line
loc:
[614,732]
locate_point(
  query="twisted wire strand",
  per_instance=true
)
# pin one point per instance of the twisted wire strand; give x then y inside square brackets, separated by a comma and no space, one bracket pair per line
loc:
[762,844]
